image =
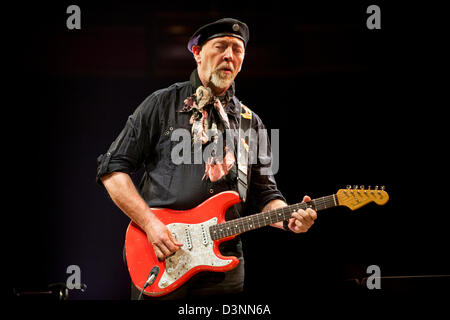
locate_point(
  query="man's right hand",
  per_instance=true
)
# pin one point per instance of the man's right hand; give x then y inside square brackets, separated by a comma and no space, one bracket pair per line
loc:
[162,240]
[124,194]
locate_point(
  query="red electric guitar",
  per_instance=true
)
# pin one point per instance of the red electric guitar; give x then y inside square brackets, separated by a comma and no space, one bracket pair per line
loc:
[203,228]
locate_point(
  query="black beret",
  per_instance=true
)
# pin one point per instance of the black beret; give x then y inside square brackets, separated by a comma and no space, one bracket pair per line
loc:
[226,27]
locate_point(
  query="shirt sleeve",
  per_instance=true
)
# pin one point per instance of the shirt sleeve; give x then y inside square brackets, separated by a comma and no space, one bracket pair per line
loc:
[134,143]
[262,186]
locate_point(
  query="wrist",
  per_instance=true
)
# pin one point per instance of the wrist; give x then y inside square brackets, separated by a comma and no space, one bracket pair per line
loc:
[149,220]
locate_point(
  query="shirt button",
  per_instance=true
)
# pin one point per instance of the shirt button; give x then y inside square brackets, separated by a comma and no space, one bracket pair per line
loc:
[211,190]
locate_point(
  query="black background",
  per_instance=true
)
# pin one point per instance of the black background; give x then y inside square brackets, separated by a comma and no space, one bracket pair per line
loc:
[353,106]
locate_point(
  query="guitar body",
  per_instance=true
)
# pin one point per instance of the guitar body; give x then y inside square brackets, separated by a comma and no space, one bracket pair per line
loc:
[198,253]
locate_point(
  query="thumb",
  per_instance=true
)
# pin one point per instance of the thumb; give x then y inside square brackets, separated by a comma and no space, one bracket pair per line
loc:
[306,199]
[174,240]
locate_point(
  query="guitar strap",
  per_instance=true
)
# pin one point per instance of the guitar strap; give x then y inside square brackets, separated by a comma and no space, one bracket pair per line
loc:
[243,150]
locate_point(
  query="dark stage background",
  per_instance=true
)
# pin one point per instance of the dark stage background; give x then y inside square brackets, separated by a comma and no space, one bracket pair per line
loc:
[354,106]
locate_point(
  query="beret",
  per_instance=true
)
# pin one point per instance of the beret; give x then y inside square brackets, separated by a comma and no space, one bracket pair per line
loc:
[226,27]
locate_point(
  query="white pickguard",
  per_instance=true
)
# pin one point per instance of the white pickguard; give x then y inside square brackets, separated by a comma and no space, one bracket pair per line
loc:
[197,250]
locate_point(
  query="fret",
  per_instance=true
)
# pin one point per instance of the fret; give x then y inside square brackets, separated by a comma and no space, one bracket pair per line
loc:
[249,223]
[271,217]
[238,228]
[324,202]
[256,220]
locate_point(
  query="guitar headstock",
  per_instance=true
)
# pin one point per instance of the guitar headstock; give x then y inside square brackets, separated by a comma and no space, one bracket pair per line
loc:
[356,197]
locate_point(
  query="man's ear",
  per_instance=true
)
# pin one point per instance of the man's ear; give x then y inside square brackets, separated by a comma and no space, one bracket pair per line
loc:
[196,53]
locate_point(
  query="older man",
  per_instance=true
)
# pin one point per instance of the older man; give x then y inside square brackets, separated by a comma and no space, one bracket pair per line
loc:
[218,49]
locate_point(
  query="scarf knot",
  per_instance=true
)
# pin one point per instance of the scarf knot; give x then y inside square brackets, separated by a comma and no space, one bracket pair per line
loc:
[208,119]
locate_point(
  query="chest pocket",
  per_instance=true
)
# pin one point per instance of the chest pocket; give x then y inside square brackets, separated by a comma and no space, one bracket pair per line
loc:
[175,143]
[164,146]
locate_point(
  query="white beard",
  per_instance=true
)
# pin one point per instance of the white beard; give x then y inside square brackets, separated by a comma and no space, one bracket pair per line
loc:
[220,80]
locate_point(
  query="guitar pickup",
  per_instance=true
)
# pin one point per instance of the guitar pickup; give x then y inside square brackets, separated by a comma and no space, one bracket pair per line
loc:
[187,237]
[204,235]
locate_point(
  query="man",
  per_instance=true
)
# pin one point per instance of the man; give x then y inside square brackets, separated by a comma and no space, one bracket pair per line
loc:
[206,102]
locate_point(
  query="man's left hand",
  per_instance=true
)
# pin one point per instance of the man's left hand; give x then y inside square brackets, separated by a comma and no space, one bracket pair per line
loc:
[302,220]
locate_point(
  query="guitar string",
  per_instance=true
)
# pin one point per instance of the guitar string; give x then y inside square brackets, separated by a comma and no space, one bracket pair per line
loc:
[258,220]
[320,204]
[262,217]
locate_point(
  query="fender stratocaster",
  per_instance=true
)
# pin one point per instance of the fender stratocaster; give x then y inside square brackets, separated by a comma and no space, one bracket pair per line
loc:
[203,228]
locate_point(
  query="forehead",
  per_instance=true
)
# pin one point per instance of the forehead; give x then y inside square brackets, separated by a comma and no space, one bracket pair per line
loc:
[228,40]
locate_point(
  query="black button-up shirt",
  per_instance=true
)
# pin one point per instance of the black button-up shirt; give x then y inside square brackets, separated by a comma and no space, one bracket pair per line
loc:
[146,140]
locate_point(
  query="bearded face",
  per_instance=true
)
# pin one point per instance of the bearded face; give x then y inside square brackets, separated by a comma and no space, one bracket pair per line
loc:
[219,61]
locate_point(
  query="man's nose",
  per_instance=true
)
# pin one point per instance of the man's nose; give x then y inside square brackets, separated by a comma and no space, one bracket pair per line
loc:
[228,54]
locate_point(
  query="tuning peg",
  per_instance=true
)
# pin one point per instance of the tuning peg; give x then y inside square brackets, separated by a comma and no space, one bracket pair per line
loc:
[376,187]
[369,187]
[355,187]
[361,187]
[349,186]
[383,188]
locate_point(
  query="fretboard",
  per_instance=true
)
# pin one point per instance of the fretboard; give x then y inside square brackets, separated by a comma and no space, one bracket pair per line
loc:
[259,220]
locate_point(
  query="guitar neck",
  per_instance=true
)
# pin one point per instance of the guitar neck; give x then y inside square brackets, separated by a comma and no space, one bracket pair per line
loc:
[259,220]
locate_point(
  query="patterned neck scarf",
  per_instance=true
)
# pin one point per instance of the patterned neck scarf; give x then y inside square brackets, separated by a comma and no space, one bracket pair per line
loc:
[209,114]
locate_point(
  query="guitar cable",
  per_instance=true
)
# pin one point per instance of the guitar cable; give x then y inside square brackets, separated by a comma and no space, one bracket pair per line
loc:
[151,278]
